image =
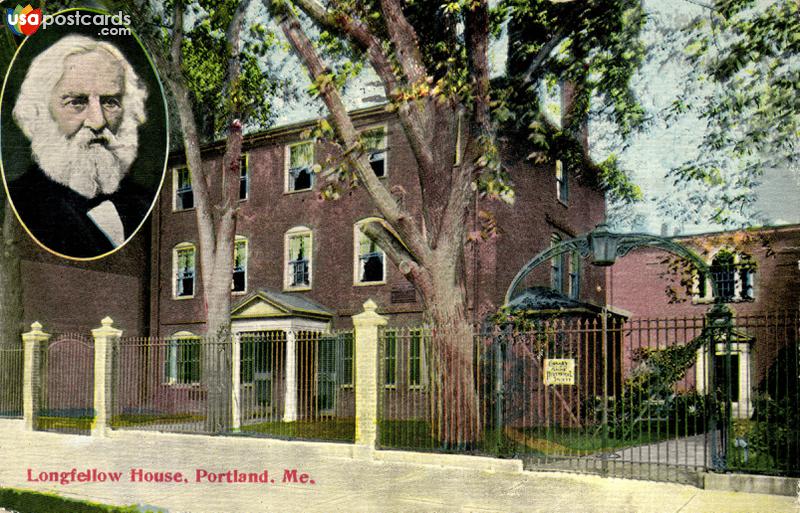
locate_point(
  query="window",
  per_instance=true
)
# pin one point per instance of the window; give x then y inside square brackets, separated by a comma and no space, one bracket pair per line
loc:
[239,283]
[370,261]
[298,258]
[182,181]
[244,177]
[734,275]
[416,361]
[723,273]
[558,267]
[574,274]
[375,145]
[184,269]
[300,173]
[182,362]
[562,185]
[390,358]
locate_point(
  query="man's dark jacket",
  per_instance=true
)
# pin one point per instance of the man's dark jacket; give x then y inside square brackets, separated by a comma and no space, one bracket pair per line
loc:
[56,215]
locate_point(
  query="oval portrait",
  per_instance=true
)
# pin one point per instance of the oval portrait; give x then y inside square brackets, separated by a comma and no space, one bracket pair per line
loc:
[84,137]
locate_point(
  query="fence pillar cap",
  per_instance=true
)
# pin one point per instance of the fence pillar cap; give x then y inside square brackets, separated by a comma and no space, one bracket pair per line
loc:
[35,332]
[107,328]
[369,316]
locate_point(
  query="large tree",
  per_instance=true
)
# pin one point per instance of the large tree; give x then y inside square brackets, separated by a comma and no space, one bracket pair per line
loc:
[208,56]
[433,61]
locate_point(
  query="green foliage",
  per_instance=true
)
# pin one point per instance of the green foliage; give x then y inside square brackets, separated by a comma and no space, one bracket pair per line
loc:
[598,51]
[746,71]
[205,52]
[648,394]
[33,502]
[772,437]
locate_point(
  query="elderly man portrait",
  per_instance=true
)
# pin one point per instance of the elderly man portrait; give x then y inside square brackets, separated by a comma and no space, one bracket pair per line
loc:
[80,106]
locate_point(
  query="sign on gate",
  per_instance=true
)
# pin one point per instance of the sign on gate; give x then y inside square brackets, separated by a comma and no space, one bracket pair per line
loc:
[559,371]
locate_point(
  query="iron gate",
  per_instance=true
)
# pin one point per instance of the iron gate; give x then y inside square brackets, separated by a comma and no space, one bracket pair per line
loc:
[66,402]
[658,399]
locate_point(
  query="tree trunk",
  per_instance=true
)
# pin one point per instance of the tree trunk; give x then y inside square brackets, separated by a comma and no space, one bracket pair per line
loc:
[217,262]
[11,314]
[456,420]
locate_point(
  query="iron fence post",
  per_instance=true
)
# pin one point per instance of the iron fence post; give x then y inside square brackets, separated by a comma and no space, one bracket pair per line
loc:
[720,319]
[604,353]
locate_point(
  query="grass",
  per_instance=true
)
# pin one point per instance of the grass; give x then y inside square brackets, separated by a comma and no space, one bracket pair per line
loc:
[143,419]
[541,441]
[69,424]
[329,429]
[26,501]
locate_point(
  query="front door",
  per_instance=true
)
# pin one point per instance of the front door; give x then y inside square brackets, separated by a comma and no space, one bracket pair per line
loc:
[260,370]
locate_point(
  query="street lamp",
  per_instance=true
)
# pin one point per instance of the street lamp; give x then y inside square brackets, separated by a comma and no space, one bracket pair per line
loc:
[604,245]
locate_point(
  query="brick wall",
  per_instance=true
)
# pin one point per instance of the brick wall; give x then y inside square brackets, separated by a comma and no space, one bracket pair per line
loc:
[66,295]
[269,212]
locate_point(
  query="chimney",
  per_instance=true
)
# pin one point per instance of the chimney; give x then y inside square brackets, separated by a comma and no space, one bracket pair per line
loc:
[567,112]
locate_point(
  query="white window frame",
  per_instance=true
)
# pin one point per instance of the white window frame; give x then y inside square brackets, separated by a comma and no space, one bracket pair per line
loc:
[295,232]
[171,358]
[287,163]
[245,160]
[558,265]
[562,183]
[175,207]
[574,274]
[241,240]
[743,408]
[738,286]
[357,268]
[385,128]
[175,250]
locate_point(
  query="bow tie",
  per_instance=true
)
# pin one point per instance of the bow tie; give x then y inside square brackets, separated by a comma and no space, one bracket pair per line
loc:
[91,203]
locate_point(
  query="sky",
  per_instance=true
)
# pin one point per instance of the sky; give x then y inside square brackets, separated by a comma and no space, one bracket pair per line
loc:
[649,155]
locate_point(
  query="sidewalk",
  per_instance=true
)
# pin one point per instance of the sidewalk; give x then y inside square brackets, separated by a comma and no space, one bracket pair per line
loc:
[339,479]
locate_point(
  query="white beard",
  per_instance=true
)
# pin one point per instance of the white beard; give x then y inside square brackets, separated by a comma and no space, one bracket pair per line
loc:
[88,169]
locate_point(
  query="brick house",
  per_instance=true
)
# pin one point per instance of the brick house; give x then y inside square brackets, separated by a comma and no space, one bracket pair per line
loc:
[758,278]
[303,265]
[292,244]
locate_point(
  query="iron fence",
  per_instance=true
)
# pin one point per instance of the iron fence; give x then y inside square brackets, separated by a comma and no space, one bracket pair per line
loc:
[277,383]
[11,365]
[157,384]
[657,399]
[297,384]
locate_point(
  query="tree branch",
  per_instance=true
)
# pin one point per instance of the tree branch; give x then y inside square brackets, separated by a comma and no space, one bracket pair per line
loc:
[397,217]
[233,146]
[542,55]
[357,32]
[396,252]
[405,41]
[477,34]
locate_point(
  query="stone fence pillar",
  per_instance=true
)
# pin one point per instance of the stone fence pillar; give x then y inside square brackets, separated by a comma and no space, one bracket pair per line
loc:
[366,326]
[32,343]
[104,339]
